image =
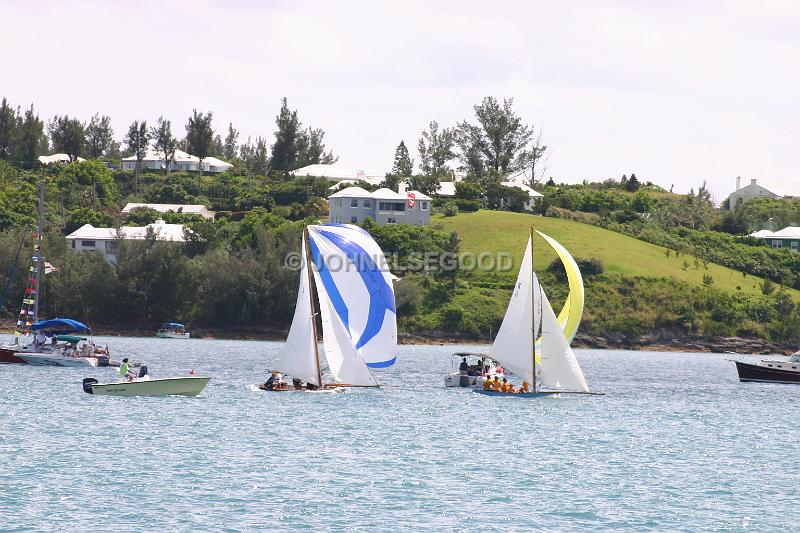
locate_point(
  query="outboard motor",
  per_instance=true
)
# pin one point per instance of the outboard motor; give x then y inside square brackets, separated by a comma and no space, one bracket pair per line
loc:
[142,371]
[87,384]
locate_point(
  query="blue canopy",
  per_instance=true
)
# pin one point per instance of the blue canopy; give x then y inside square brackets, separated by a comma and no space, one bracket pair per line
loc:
[61,326]
[171,325]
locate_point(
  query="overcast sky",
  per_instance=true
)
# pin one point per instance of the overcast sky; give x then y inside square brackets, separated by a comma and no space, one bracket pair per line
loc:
[676,92]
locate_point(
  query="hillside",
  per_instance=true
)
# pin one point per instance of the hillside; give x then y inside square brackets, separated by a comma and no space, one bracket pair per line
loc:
[500,231]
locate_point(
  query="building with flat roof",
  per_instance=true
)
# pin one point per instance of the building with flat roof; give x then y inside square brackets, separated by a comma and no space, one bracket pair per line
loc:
[87,238]
[353,204]
[154,160]
[335,173]
[193,209]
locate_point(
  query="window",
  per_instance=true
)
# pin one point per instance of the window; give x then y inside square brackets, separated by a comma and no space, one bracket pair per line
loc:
[111,247]
[354,203]
[777,244]
[389,206]
[354,220]
[367,203]
[87,244]
[423,206]
[73,244]
[390,220]
[794,246]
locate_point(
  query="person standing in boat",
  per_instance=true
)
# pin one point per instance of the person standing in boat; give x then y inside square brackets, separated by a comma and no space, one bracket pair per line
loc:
[39,340]
[463,368]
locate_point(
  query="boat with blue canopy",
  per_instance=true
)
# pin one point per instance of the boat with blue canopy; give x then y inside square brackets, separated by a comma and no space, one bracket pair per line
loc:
[57,342]
[172,330]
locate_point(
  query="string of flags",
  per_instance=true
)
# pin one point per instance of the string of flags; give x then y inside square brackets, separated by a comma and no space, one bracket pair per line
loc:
[27,311]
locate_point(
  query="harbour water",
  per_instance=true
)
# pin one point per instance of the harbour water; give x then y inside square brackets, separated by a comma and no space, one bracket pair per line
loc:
[677,443]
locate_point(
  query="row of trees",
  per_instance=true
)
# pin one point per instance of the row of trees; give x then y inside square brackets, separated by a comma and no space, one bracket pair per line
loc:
[498,143]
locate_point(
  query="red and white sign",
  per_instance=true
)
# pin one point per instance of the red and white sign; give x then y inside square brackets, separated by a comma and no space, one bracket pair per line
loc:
[412,200]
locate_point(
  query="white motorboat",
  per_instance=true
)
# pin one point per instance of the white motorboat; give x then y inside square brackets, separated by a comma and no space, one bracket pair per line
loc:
[180,386]
[57,359]
[67,353]
[479,366]
[172,330]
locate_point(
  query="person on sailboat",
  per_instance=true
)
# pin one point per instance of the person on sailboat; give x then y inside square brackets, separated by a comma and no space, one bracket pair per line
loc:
[506,386]
[271,380]
[496,385]
[487,384]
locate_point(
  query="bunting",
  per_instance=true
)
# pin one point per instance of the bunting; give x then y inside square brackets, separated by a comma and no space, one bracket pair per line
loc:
[27,310]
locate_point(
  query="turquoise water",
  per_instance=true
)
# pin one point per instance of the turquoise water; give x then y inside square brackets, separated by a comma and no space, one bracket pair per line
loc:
[676,444]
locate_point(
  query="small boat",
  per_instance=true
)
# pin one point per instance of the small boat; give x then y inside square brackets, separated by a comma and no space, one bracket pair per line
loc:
[515,346]
[480,366]
[68,353]
[145,386]
[357,310]
[770,370]
[172,330]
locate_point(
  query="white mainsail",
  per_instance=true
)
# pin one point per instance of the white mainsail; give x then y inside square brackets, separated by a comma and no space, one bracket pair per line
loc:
[513,345]
[344,360]
[298,357]
[353,271]
[559,369]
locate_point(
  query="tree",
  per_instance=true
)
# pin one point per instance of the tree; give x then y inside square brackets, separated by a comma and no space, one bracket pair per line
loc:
[285,149]
[466,190]
[632,184]
[391,181]
[164,142]
[231,143]
[137,140]
[8,122]
[311,149]
[403,164]
[436,150]
[200,136]
[500,140]
[254,157]
[68,136]
[424,184]
[28,139]
[538,161]
[99,136]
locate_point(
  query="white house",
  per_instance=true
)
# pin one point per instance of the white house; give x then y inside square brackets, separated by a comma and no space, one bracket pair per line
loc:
[334,173]
[353,204]
[56,158]
[744,194]
[195,209]
[87,238]
[533,196]
[154,160]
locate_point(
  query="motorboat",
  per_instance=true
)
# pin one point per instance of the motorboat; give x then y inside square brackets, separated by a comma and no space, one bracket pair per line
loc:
[64,348]
[479,366]
[172,330]
[144,385]
[770,370]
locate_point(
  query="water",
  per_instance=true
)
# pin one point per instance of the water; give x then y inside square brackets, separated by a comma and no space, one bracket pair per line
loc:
[676,444]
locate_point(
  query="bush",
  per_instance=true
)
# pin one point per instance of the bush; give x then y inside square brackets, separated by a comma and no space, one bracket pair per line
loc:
[592,266]
[467,206]
[450,209]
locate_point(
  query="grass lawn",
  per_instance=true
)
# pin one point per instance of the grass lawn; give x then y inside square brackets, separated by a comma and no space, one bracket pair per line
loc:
[500,231]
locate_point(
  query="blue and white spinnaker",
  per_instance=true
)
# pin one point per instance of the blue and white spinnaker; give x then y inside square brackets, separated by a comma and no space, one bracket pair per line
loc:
[358,284]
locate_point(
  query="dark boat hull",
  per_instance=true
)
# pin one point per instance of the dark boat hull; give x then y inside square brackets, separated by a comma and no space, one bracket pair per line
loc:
[765,374]
[8,357]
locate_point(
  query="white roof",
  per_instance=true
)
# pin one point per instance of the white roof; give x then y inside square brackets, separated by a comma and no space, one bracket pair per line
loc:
[387,194]
[56,158]
[352,192]
[165,232]
[332,172]
[419,196]
[789,232]
[163,208]
[342,183]
[447,188]
[215,162]
[519,185]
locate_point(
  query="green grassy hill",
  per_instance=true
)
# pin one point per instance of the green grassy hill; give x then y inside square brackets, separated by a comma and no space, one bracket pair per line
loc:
[500,231]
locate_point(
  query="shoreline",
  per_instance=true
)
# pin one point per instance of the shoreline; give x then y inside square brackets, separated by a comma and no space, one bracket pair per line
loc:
[656,341]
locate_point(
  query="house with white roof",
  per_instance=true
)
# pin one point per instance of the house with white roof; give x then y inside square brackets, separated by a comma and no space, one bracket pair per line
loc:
[385,206]
[788,237]
[194,209]
[56,158]
[744,194]
[335,173]
[154,160]
[87,238]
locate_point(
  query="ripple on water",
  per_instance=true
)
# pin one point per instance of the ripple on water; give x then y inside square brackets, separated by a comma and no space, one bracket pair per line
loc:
[676,444]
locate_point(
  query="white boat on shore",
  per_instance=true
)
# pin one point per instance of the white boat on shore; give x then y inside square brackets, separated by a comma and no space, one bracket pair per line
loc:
[180,386]
[172,330]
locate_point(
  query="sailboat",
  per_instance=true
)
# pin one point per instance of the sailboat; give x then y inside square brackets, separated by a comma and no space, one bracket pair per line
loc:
[347,269]
[515,346]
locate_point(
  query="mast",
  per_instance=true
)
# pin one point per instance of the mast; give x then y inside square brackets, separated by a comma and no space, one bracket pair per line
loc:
[533,318]
[39,231]
[309,263]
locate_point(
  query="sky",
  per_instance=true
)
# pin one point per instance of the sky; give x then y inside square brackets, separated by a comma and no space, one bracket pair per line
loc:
[677,92]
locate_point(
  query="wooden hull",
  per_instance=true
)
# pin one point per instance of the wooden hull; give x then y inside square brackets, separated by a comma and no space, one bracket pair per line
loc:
[42,359]
[765,374]
[183,386]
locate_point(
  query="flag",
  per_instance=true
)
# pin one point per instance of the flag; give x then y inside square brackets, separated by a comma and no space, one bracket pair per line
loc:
[412,200]
[49,269]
